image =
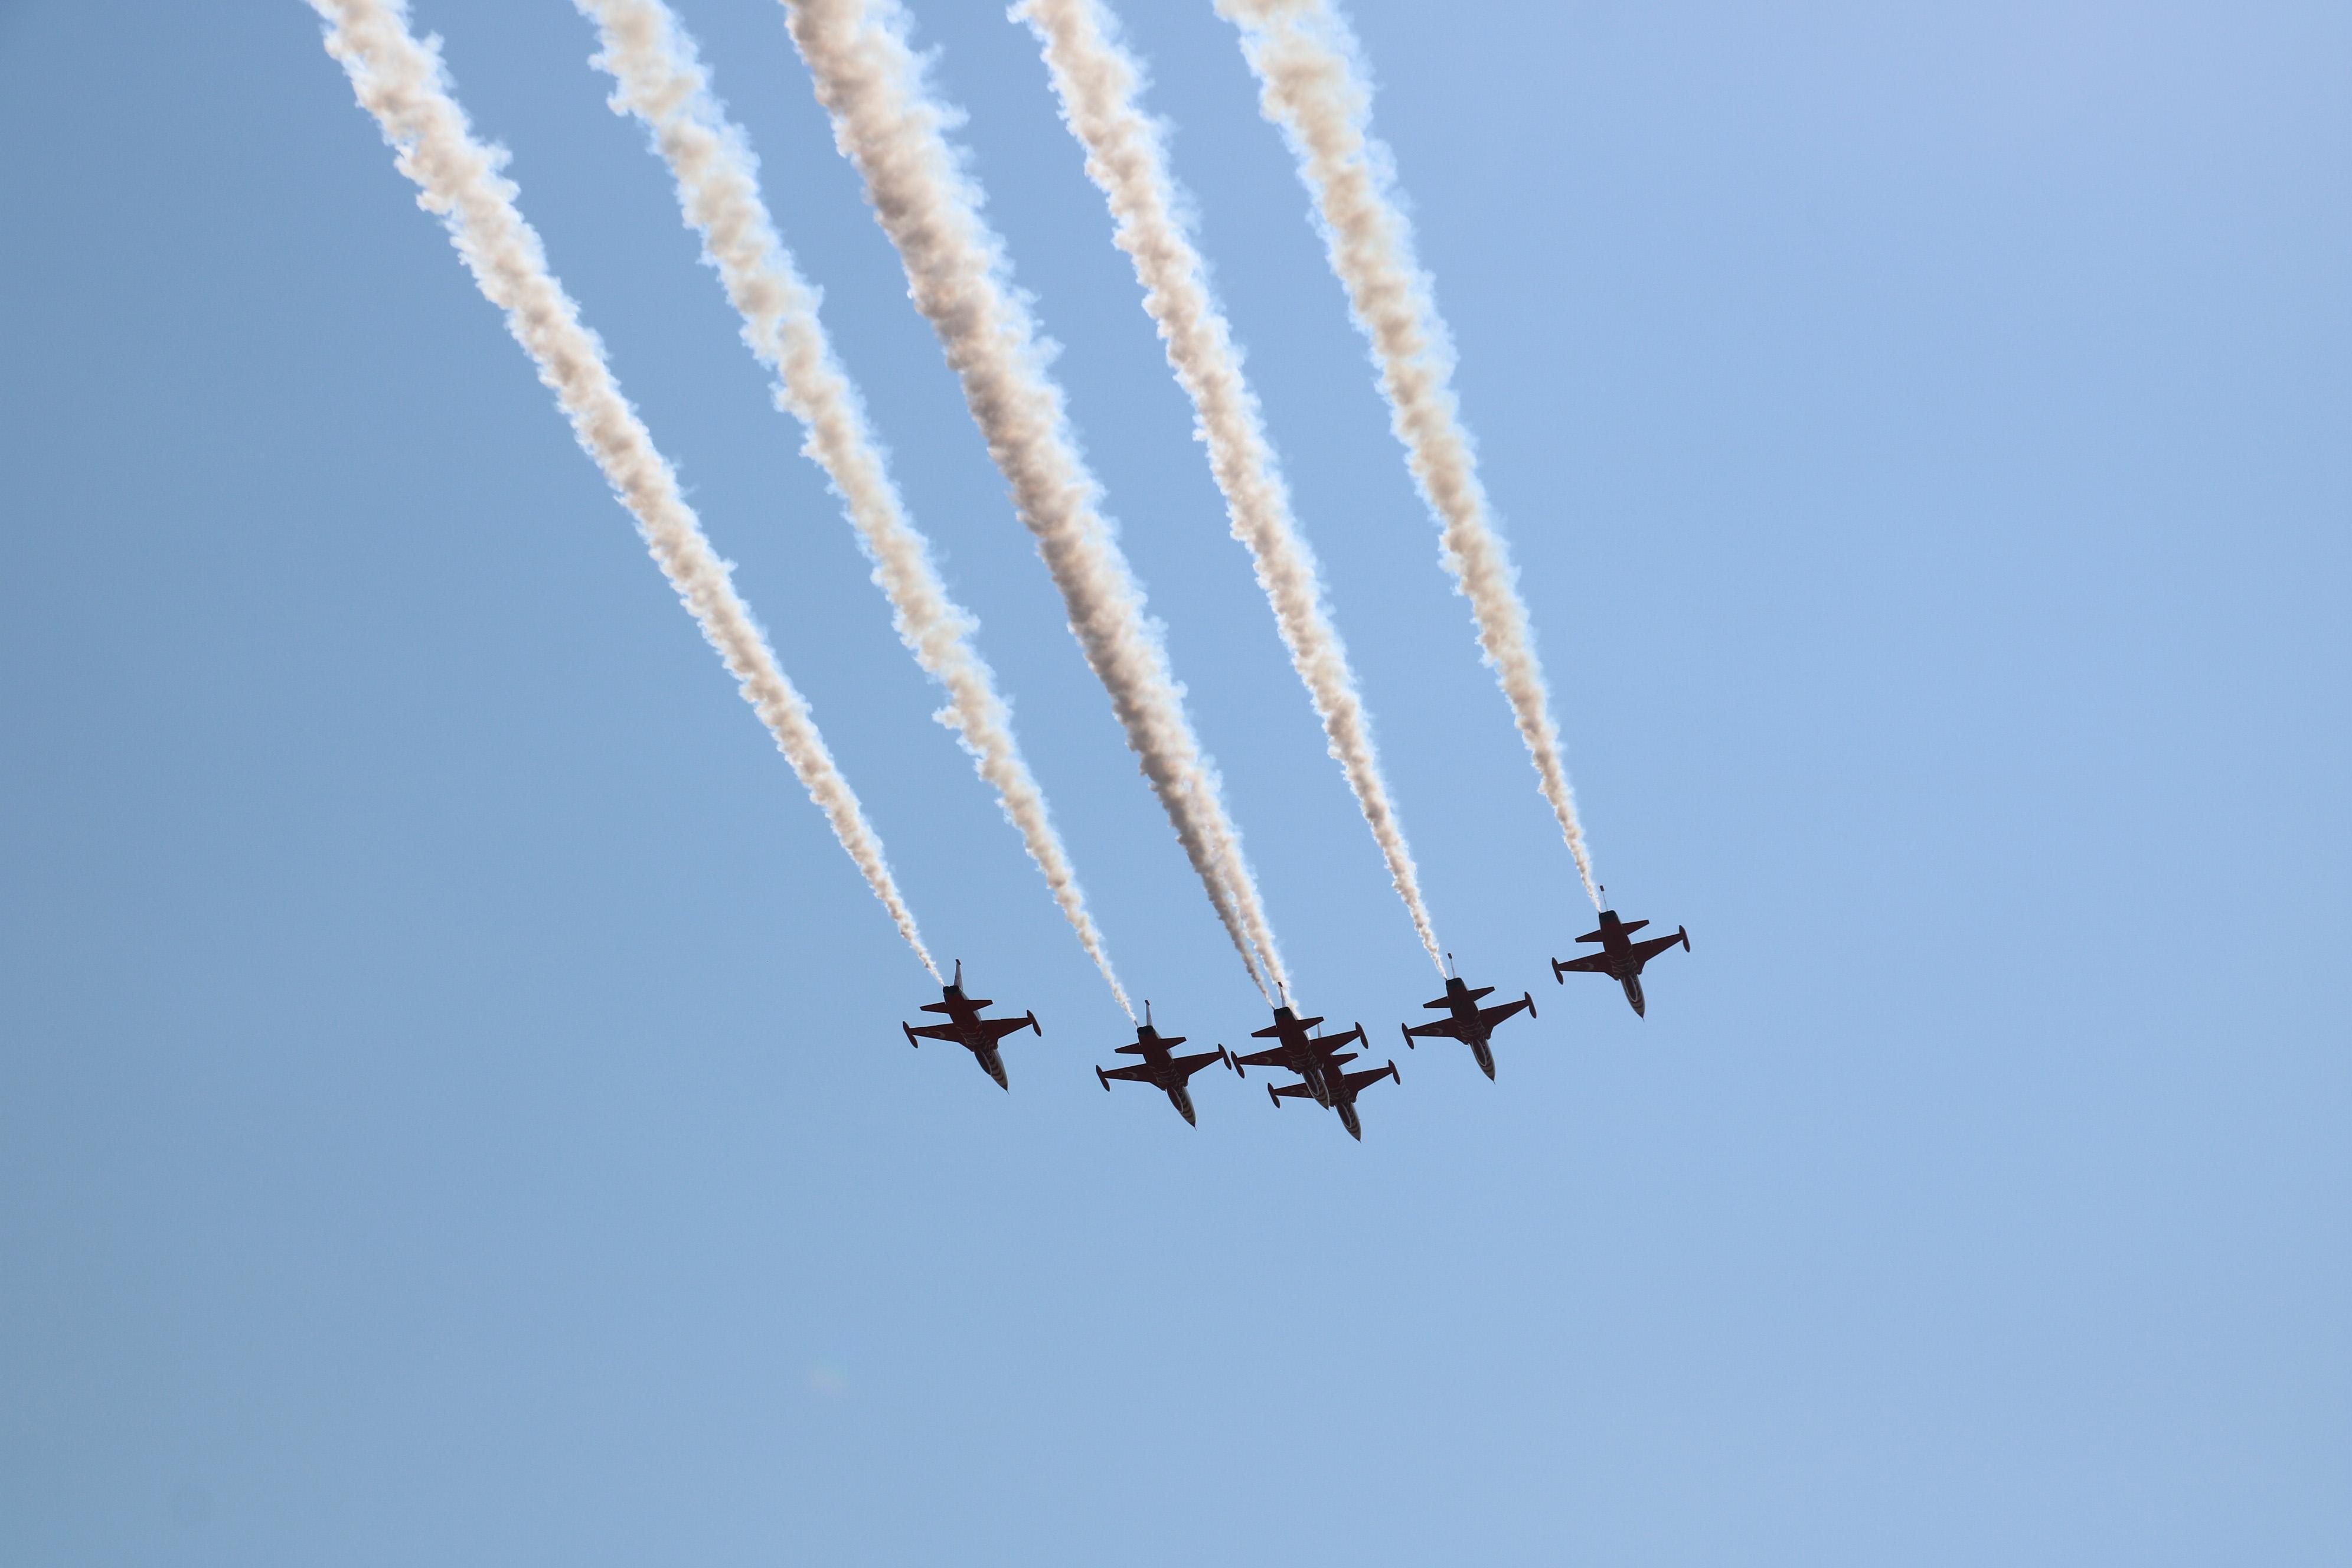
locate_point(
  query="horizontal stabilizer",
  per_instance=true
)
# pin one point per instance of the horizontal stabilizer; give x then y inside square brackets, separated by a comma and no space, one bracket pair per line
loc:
[974,1003]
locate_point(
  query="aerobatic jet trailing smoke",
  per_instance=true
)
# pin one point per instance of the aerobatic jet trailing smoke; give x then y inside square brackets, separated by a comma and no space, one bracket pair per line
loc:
[1467,1022]
[1161,1068]
[966,1027]
[1620,958]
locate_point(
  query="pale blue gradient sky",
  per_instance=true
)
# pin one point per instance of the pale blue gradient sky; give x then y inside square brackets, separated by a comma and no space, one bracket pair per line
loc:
[452,1107]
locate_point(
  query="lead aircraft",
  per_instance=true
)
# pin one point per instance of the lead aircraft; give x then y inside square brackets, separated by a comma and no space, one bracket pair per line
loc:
[1319,1063]
[1472,1025]
[967,1028]
[1620,958]
[1161,1069]
[1299,1052]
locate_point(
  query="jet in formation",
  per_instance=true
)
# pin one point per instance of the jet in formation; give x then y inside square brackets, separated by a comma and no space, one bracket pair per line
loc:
[1467,1020]
[1298,1051]
[967,1028]
[1161,1068]
[1320,1063]
[1620,958]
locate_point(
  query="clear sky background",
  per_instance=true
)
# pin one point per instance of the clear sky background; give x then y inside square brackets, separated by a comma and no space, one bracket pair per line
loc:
[451,1105]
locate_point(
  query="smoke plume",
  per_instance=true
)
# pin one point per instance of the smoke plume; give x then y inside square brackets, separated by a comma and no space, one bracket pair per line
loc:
[663,83]
[887,125]
[1098,83]
[400,82]
[1312,86]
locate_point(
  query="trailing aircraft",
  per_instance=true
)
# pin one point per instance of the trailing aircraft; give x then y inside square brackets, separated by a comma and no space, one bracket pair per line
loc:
[1161,1069]
[1620,958]
[1467,1022]
[967,1028]
[1340,1089]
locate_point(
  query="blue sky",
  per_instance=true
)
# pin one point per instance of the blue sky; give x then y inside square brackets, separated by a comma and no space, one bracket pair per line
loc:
[452,1106]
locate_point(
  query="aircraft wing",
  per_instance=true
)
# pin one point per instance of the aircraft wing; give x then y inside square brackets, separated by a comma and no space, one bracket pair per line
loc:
[1297,1090]
[1277,1056]
[939,1032]
[1355,1080]
[1490,1016]
[1138,1073]
[1188,1066]
[1439,1028]
[1591,963]
[997,1028]
[1645,951]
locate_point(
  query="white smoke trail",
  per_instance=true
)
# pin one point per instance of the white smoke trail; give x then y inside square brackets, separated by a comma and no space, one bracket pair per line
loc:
[1098,83]
[887,123]
[400,82]
[1312,86]
[663,83]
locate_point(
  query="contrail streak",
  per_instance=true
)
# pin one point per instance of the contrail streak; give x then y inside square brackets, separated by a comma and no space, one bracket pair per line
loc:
[1098,83]
[1311,85]
[663,83]
[400,82]
[888,126]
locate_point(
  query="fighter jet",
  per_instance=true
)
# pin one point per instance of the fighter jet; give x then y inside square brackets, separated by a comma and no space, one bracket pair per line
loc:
[1342,1089]
[1158,1068]
[1472,1025]
[967,1028]
[1619,958]
[1299,1052]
